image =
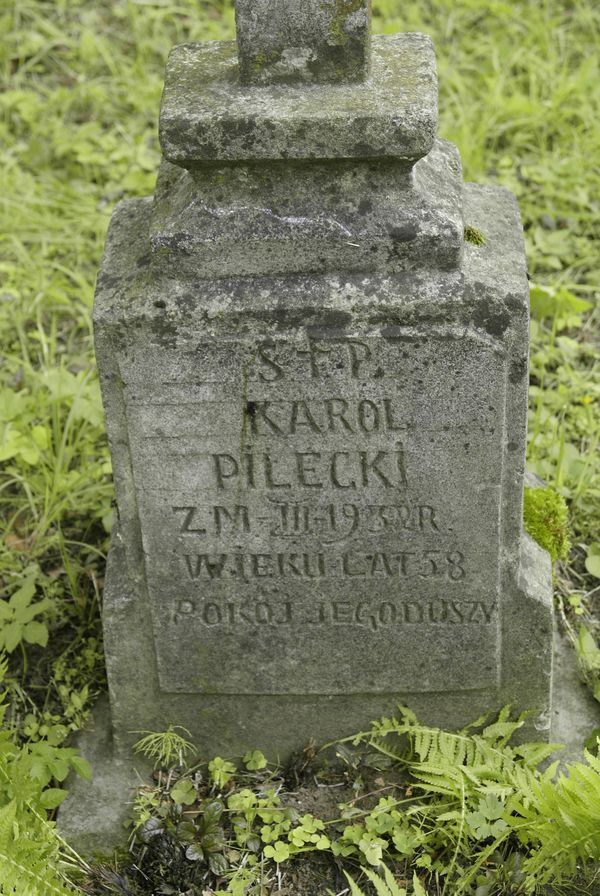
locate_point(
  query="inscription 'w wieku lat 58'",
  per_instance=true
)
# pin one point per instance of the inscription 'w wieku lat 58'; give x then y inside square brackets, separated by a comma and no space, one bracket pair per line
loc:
[316,401]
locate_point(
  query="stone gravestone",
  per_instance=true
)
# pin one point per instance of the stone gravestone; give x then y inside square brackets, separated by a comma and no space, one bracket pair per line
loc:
[316,396]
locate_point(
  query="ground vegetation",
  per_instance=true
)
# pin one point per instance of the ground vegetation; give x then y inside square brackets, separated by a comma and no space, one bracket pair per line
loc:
[81,83]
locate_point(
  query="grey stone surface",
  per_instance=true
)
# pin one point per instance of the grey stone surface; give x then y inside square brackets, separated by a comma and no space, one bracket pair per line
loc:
[575,712]
[209,115]
[230,724]
[93,817]
[316,400]
[396,418]
[310,217]
[313,41]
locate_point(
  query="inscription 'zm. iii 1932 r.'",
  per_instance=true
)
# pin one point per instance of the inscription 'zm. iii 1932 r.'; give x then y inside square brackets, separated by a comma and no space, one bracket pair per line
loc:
[332,521]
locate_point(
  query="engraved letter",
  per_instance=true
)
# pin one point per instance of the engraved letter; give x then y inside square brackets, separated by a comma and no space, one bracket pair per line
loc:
[368,415]
[211,614]
[380,565]
[348,571]
[359,354]
[413,612]
[317,569]
[226,467]
[403,557]
[306,468]
[456,570]
[190,513]
[263,613]
[401,467]
[313,352]
[437,611]
[387,614]
[336,409]
[427,514]
[256,411]
[269,475]
[458,610]
[288,563]
[431,568]
[237,518]
[392,425]
[488,613]
[342,611]
[305,418]
[335,476]
[367,465]
[262,565]
[214,565]
[248,462]
[273,371]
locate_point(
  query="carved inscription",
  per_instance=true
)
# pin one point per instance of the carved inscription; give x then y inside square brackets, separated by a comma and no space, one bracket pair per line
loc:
[309,469]
[351,565]
[373,615]
[285,418]
[307,491]
[353,357]
[288,519]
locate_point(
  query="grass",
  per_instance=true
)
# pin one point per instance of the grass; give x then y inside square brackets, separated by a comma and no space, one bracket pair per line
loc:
[81,84]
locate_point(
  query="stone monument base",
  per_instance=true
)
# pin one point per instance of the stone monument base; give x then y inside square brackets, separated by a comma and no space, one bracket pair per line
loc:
[229,724]
[92,818]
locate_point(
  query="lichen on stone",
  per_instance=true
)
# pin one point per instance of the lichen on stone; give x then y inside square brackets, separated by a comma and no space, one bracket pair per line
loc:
[546,518]
[262,61]
[343,9]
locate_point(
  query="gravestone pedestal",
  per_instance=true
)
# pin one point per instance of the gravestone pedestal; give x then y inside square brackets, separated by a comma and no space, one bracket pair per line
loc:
[316,399]
[321,483]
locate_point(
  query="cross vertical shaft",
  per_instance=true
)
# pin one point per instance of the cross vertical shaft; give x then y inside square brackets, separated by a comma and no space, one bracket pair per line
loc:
[303,41]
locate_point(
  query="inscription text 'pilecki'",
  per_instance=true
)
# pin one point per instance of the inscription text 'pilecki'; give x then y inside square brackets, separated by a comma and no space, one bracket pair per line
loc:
[309,469]
[289,494]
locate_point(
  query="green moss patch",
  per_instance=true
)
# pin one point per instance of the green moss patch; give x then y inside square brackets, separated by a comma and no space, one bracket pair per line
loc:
[474,235]
[546,518]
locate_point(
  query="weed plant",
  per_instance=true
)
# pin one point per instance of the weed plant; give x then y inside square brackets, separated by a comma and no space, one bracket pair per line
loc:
[81,83]
[415,809]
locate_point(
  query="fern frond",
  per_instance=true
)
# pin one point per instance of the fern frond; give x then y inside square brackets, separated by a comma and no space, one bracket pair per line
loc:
[561,819]
[355,890]
[32,879]
[27,859]
[536,753]
[503,729]
[385,884]
[557,820]
[459,766]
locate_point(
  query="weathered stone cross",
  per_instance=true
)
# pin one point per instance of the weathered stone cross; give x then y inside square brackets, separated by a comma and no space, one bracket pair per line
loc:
[291,41]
